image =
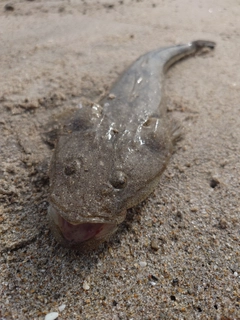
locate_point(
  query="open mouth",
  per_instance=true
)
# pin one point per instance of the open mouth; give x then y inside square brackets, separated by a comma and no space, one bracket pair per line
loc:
[78,233]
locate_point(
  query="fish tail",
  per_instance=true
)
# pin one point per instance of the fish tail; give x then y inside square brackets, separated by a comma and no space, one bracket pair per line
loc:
[176,53]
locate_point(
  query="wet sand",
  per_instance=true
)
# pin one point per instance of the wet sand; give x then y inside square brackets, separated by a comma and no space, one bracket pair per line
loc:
[177,255]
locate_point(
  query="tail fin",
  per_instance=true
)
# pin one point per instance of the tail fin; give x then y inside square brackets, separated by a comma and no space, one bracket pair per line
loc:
[175,53]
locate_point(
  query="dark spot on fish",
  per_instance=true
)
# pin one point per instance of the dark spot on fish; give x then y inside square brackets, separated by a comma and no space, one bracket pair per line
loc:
[70,168]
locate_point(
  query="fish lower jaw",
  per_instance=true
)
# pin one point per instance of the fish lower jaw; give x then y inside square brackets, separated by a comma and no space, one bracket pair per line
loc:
[79,236]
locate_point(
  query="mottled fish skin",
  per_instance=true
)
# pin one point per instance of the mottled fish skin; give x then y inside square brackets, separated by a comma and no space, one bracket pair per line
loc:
[109,156]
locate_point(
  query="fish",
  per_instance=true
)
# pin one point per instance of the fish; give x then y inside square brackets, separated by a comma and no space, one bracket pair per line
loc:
[109,155]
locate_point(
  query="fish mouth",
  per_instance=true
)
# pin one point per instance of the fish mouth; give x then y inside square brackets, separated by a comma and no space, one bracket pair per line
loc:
[76,234]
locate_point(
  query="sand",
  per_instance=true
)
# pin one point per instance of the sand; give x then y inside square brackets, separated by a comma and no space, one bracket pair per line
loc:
[177,255]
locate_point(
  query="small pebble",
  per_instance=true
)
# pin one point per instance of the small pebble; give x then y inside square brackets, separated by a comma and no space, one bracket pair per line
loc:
[62,307]
[222,224]
[235,274]
[51,316]
[154,245]
[143,264]
[111,96]
[214,182]
[154,278]
[86,285]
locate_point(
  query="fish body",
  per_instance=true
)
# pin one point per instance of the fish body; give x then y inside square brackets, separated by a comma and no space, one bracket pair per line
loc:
[109,156]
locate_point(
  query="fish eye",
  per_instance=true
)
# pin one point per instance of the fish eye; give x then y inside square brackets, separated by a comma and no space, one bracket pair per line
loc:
[118,180]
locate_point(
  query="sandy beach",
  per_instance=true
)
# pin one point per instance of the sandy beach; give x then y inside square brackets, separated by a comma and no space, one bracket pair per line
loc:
[177,255]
